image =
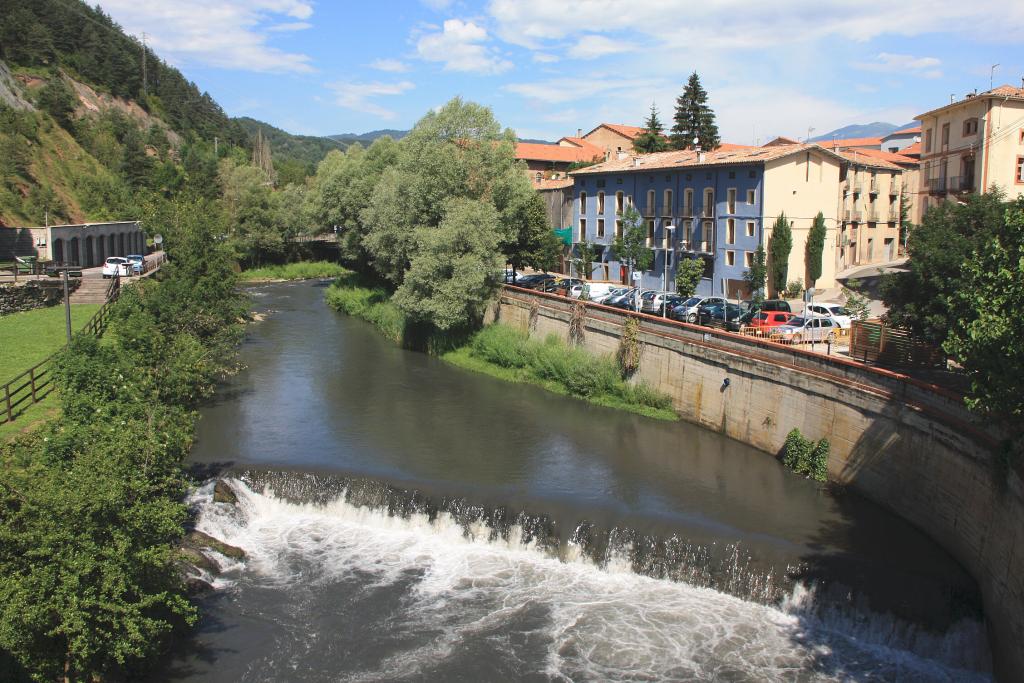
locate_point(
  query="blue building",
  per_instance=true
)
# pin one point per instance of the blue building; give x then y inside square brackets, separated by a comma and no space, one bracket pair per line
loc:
[710,206]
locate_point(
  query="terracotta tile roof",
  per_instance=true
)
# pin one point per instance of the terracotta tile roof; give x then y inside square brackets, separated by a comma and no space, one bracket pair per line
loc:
[688,158]
[585,144]
[556,153]
[859,157]
[913,150]
[628,131]
[781,140]
[891,157]
[1001,92]
[546,184]
[852,142]
[732,147]
[905,131]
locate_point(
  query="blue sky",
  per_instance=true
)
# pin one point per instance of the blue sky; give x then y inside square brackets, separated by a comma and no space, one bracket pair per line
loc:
[549,67]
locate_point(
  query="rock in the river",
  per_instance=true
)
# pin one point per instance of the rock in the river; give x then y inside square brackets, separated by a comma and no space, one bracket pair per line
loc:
[197,540]
[196,586]
[222,493]
[194,559]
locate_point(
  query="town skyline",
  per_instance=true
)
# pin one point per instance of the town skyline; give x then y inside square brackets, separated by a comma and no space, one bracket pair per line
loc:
[319,69]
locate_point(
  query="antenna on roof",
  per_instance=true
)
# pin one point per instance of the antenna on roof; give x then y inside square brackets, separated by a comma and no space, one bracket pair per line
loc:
[992,75]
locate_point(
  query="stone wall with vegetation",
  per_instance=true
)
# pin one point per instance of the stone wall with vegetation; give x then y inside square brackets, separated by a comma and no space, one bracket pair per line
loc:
[913,450]
[26,296]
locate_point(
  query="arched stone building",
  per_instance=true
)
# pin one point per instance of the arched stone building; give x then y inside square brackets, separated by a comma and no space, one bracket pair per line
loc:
[84,245]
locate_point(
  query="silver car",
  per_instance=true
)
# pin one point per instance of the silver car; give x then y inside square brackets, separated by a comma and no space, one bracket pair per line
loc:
[798,330]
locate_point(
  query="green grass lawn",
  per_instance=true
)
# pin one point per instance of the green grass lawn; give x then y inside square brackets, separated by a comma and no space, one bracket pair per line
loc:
[28,338]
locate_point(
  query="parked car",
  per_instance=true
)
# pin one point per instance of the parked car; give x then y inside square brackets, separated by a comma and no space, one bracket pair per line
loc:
[768,305]
[115,265]
[611,293]
[533,280]
[652,301]
[561,286]
[624,299]
[594,290]
[687,311]
[834,311]
[708,314]
[763,320]
[799,329]
[138,263]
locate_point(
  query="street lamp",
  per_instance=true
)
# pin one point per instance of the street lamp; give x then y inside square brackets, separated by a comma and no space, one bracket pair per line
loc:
[669,249]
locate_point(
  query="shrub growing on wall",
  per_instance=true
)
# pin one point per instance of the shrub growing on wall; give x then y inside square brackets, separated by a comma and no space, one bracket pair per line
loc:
[628,355]
[806,457]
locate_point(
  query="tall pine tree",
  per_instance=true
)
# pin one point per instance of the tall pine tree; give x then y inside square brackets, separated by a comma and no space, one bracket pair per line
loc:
[694,118]
[779,246]
[652,139]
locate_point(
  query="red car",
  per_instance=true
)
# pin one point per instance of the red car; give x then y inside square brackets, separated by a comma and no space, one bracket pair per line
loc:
[763,320]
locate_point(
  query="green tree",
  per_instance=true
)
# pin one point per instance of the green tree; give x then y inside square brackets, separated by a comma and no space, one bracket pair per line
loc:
[456,269]
[757,274]
[987,339]
[814,249]
[652,139]
[905,225]
[779,246]
[688,275]
[584,259]
[856,303]
[631,247]
[921,299]
[694,118]
[57,99]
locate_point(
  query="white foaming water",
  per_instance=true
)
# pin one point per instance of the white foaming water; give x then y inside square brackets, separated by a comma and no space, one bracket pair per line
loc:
[594,623]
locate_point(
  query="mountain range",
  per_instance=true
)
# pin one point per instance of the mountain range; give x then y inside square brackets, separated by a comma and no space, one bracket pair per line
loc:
[862,130]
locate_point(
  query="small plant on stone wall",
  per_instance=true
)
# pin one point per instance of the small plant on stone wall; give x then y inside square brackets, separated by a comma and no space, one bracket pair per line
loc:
[806,457]
[628,355]
[577,321]
[534,316]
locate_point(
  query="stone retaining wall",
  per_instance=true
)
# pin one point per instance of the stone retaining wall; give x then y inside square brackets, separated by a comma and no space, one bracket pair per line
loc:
[902,443]
[32,294]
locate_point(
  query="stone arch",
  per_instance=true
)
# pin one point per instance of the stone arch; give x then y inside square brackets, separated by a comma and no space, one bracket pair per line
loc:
[73,255]
[101,250]
[90,255]
[58,250]
[112,250]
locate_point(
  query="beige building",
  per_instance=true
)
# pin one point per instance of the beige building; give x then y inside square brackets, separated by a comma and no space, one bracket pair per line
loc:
[972,145]
[84,245]
[869,210]
[612,138]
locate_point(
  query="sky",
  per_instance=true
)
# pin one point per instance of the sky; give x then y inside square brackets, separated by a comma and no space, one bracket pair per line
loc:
[550,67]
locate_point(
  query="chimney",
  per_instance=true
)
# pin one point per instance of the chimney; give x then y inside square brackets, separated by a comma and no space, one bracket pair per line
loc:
[636,161]
[579,132]
[702,157]
[620,155]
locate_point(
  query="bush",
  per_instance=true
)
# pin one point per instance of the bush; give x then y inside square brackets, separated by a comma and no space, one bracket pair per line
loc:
[806,457]
[795,288]
[502,346]
[303,270]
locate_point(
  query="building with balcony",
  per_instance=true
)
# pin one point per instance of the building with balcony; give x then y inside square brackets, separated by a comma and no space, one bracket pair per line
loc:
[714,206]
[552,162]
[972,145]
[871,188]
[899,140]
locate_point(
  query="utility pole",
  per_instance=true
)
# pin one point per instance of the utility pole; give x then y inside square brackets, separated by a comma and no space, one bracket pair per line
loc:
[67,305]
[992,76]
[145,89]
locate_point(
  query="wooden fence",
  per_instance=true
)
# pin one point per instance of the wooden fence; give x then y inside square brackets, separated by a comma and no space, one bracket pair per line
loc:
[873,342]
[36,383]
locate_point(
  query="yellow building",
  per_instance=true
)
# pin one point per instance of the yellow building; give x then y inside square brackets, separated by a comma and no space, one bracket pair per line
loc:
[972,145]
[869,209]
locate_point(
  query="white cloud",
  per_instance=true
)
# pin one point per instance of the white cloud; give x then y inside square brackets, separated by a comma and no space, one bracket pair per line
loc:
[437,4]
[594,46]
[460,46]
[544,58]
[356,96]
[230,34]
[569,89]
[390,65]
[886,62]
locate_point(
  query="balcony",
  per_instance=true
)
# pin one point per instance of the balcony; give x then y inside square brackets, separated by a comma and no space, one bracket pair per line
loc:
[873,188]
[687,212]
[872,215]
[953,184]
[936,185]
[853,216]
[894,215]
[894,187]
[853,185]
[965,183]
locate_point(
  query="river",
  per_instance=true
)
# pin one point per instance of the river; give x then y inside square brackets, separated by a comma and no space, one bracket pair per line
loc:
[404,519]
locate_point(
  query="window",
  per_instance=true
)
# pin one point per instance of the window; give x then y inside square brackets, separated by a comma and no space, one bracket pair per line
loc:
[600,182]
[1021,141]
[600,227]
[583,203]
[732,175]
[970,127]
[618,202]
[750,228]
[708,228]
[651,208]
[666,207]
[731,195]
[752,174]
[600,202]
[583,229]
[750,197]
[748,259]
[538,177]
[709,202]
[668,258]
[688,202]
[730,231]
[945,135]
[687,232]
[650,233]
[928,140]
[1020,170]
[730,258]
[618,181]
[618,228]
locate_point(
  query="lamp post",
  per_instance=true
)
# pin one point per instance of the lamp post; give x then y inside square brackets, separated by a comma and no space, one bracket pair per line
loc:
[669,249]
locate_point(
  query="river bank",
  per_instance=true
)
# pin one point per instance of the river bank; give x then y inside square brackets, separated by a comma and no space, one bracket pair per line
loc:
[506,354]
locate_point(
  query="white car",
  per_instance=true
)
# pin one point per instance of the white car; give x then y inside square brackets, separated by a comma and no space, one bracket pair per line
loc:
[800,329]
[687,311]
[612,292]
[594,290]
[115,265]
[834,311]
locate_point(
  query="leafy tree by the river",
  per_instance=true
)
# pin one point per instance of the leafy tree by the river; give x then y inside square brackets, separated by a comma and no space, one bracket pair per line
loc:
[689,271]
[757,274]
[631,246]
